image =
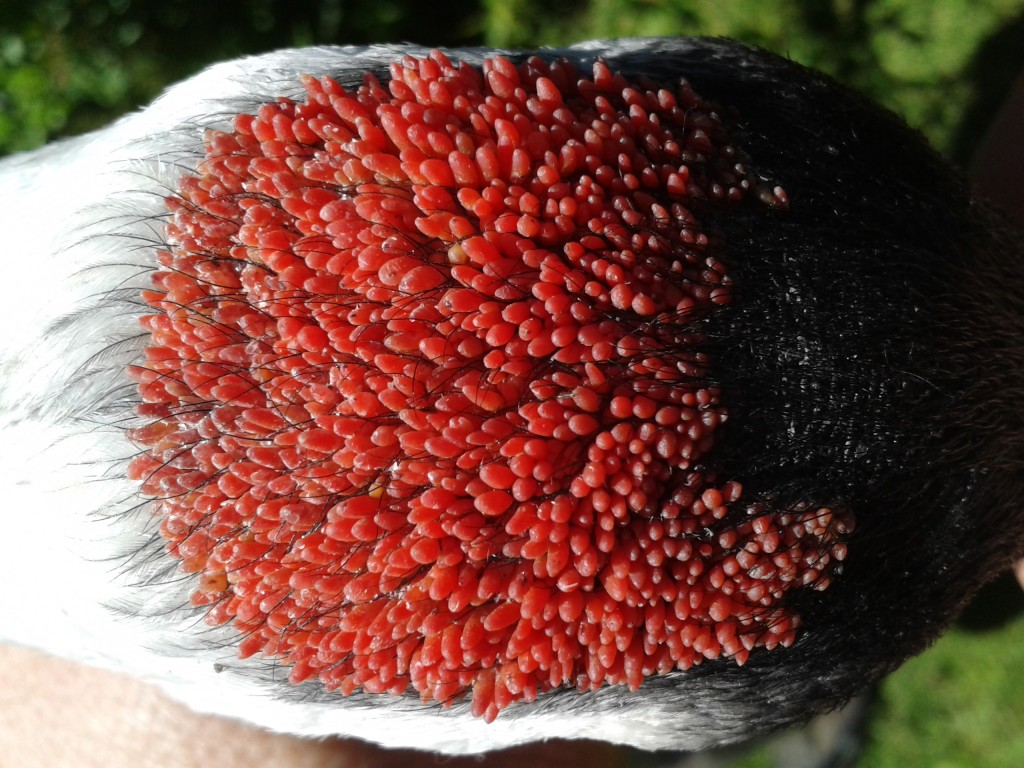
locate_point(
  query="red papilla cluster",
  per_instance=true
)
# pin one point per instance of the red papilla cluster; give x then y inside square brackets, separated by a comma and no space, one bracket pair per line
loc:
[425,400]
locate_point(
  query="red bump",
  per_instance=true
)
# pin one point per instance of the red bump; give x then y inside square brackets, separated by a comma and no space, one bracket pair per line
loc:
[498,476]
[425,551]
[501,617]
[493,503]
[424,393]
[583,424]
[421,278]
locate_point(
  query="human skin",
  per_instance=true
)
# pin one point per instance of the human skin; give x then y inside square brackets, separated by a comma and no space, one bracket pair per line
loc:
[61,713]
[58,712]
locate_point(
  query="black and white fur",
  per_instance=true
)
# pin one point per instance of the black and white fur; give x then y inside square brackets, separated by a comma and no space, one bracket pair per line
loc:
[873,359]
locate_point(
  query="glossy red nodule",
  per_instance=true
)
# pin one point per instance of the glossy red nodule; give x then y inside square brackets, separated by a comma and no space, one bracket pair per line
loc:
[424,398]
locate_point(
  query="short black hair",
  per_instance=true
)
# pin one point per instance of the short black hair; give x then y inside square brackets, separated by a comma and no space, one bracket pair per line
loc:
[872,360]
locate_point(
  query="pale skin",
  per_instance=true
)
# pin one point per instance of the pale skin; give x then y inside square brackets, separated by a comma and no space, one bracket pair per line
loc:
[58,712]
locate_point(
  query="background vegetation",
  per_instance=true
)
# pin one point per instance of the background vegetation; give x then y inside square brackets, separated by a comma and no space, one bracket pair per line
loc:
[67,66]
[70,65]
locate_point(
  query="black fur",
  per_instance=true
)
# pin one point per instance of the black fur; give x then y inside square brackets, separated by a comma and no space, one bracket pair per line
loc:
[871,360]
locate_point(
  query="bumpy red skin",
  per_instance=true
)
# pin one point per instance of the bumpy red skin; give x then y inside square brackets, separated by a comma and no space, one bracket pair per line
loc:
[427,405]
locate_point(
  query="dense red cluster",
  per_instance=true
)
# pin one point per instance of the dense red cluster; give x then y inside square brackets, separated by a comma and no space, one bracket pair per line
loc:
[425,398]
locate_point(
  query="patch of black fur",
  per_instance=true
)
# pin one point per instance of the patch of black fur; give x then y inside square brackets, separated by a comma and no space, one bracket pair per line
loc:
[871,359]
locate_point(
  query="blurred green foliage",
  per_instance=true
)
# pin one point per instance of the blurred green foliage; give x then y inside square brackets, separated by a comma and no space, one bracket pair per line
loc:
[67,66]
[70,65]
